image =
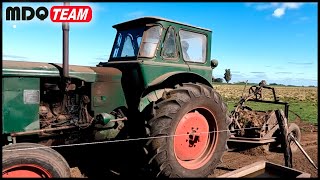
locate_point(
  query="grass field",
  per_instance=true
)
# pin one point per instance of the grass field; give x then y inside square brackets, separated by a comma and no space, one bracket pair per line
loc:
[303,101]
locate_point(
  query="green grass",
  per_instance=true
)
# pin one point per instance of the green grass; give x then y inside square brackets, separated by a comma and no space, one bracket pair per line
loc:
[308,111]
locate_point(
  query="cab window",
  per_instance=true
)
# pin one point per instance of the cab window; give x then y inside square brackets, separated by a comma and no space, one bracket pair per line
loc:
[150,41]
[169,50]
[193,46]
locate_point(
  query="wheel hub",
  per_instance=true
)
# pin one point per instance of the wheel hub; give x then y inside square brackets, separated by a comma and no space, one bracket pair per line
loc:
[191,138]
[25,171]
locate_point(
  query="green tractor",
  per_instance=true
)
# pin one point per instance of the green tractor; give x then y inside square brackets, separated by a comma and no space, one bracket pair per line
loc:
[156,86]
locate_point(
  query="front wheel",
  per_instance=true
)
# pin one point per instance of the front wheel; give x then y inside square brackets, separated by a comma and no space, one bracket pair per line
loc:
[38,162]
[193,121]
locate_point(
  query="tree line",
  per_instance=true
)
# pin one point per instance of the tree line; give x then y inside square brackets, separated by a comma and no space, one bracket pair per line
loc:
[227,77]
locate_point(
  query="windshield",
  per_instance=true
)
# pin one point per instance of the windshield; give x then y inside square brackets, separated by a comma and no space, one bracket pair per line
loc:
[128,42]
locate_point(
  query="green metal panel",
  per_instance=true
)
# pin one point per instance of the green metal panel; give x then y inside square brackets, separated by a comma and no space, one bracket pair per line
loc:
[107,93]
[39,69]
[151,70]
[20,104]
[107,96]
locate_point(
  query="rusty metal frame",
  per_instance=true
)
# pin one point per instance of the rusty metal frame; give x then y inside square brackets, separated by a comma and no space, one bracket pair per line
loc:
[275,101]
[267,138]
[286,105]
[252,140]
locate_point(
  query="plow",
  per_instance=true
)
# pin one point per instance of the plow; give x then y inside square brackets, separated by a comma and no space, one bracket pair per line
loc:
[256,126]
[266,129]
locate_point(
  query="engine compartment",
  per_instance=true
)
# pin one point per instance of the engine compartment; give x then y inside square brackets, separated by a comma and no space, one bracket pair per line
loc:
[59,107]
[66,117]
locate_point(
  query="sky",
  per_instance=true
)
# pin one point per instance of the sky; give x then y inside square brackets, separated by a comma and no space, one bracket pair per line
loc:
[276,42]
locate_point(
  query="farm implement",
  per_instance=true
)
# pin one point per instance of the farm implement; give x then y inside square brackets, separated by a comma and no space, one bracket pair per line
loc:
[260,127]
[268,129]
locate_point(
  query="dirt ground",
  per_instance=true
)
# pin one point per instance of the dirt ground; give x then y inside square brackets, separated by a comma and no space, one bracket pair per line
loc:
[236,159]
[309,142]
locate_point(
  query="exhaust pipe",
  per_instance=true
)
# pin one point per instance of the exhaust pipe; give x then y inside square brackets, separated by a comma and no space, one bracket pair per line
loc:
[65,46]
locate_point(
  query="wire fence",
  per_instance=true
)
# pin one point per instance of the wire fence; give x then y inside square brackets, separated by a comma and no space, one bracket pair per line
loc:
[122,140]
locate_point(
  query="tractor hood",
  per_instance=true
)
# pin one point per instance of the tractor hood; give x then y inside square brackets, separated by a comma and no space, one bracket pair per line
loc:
[41,69]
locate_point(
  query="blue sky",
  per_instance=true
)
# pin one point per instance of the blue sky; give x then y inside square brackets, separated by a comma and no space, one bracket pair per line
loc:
[272,41]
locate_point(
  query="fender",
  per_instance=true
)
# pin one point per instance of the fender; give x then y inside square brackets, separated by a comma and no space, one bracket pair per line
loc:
[172,78]
[155,89]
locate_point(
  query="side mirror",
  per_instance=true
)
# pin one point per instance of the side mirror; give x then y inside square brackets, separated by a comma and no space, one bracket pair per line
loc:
[214,63]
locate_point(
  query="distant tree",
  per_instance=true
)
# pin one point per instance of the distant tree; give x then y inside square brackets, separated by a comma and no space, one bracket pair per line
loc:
[220,80]
[227,75]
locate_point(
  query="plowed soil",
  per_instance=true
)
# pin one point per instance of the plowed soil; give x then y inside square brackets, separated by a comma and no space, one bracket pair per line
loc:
[231,160]
[309,142]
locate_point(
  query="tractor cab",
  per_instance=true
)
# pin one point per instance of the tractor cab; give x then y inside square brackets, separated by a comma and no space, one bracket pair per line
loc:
[152,49]
[161,40]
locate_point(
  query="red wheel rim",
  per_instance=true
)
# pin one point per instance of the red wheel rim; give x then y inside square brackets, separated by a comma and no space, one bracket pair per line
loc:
[193,144]
[26,171]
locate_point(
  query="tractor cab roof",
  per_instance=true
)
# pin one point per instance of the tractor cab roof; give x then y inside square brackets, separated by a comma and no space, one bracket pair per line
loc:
[150,19]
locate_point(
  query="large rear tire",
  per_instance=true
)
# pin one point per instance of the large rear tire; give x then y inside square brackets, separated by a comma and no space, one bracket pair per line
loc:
[193,113]
[42,162]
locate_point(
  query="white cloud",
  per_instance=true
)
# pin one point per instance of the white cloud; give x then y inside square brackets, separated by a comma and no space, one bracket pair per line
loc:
[292,5]
[279,12]
[14,26]
[264,6]
[279,9]
[275,4]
